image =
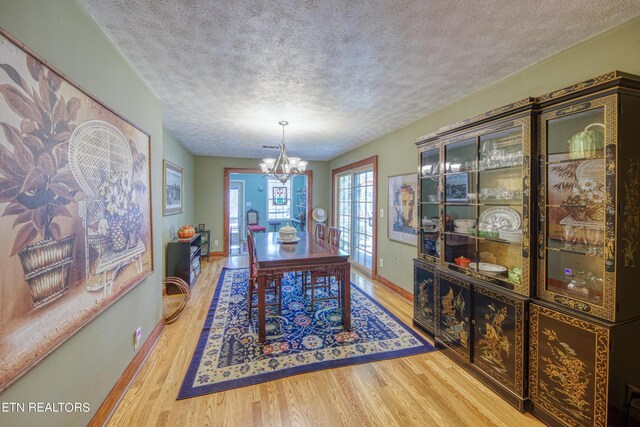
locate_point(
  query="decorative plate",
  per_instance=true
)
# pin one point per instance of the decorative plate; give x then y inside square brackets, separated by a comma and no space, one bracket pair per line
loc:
[319,215]
[488,268]
[294,240]
[499,218]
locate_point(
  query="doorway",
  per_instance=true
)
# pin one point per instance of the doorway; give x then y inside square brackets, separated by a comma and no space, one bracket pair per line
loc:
[237,230]
[354,213]
[250,189]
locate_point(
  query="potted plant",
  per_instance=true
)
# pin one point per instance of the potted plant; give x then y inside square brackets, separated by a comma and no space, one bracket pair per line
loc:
[35,179]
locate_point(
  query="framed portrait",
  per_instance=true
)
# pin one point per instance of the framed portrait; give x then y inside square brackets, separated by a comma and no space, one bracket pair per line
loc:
[76,204]
[403,208]
[172,180]
[457,187]
[200,227]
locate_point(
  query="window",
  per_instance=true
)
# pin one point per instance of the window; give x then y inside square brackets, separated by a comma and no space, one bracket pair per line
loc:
[275,211]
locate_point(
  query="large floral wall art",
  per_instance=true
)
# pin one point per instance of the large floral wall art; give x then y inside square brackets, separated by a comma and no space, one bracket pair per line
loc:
[74,208]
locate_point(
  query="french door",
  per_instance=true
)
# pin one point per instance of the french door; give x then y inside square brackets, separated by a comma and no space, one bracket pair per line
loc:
[355,214]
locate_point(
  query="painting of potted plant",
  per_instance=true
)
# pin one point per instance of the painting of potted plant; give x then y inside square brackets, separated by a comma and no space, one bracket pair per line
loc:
[75,208]
[36,182]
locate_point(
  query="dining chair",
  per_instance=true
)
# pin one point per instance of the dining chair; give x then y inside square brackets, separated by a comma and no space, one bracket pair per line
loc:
[334,236]
[253,222]
[273,286]
[320,231]
[323,281]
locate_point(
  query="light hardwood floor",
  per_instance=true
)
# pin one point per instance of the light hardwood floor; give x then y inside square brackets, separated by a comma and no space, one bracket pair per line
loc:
[421,390]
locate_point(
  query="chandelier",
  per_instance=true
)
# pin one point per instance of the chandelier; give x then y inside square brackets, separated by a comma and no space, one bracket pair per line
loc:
[284,166]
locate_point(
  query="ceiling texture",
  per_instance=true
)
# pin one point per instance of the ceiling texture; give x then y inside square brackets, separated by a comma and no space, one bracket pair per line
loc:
[342,72]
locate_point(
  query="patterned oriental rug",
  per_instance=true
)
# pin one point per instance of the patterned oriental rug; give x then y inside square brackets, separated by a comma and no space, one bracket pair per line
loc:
[299,340]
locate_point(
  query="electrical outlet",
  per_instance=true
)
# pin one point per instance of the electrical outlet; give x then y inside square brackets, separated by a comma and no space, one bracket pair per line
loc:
[381,262]
[381,212]
[137,335]
[215,243]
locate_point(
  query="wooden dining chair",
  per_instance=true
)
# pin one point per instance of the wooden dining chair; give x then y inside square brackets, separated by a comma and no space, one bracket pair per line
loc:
[320,231]
[322,281]
[334,236]
[273,286]
[253,222]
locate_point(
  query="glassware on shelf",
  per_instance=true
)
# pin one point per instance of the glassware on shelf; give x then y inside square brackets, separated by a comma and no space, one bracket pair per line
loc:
[569,235]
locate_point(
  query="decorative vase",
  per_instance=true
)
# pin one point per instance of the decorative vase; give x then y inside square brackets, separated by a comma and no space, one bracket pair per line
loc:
[46,266]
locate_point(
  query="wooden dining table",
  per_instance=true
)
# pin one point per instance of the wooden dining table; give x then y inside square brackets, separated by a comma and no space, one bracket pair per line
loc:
[274,259]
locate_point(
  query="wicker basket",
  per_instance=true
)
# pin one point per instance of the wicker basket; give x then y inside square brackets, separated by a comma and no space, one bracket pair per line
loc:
[175,294]
[46,266]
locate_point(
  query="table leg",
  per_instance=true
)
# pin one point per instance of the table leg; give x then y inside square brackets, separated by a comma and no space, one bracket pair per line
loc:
[346,297]
[262,283]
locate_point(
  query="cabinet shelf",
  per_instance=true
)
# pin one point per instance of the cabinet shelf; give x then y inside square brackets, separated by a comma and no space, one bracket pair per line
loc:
[501,168]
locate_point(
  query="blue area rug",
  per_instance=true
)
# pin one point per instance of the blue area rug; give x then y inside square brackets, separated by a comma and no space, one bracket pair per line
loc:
[299,340]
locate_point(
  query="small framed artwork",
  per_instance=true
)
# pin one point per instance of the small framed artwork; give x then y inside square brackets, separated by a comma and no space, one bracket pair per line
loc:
[403,215]
[200,227]
[457,187]
[172,183]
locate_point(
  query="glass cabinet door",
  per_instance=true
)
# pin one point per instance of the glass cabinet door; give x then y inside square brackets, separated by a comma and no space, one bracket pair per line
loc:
[429,243]
[573,206]
[486,204]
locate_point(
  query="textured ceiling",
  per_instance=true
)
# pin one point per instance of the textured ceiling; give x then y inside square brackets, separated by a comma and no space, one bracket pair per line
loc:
[341,72]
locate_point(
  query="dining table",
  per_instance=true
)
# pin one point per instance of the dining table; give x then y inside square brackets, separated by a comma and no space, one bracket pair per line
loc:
[274,258]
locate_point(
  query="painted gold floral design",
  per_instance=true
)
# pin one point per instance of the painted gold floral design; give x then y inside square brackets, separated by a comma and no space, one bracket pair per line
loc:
[453,308]
[424,300]
[570,376]
[494,342]
[588,195]
[631,214]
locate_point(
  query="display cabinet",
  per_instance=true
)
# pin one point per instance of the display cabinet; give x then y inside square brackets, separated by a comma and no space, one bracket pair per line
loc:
[589,200]
[545,188]
[581,372]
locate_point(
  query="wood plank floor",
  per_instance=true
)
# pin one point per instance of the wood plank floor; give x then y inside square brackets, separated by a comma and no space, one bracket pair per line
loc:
[420,390]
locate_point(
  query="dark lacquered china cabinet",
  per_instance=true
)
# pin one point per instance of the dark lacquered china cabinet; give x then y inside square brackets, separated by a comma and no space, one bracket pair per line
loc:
[528,246]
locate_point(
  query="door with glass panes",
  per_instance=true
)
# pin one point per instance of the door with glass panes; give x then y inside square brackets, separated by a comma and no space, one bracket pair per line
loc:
[354,215]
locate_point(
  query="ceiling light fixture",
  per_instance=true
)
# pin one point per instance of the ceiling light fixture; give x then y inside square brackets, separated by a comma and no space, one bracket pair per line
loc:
[283,167]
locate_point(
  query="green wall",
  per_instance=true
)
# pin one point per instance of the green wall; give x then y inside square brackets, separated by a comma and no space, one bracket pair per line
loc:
[209,200]
[87,365]
[616,49]
[175,152]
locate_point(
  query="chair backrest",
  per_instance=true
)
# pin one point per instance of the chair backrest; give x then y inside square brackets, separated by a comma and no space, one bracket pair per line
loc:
[252,217]
[320,231]
[334,236]
[250,249]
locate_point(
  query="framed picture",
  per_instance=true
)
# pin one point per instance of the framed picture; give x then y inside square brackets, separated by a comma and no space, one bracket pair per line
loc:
[200,227]
[403,208]
[172,184]
[76,208]
[457,187]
